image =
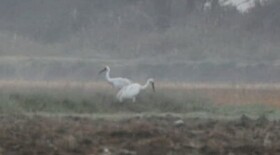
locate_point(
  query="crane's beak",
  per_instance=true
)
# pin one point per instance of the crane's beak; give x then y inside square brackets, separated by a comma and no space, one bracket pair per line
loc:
[103,70]
[153,86]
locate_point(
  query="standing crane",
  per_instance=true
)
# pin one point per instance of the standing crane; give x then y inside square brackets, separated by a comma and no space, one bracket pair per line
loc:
[132,90]
[117,82]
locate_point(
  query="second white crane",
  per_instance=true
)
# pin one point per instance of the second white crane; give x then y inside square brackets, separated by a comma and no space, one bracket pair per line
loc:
[132,90]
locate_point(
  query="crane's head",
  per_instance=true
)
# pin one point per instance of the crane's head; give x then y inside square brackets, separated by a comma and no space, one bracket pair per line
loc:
[106,68]
[152,82]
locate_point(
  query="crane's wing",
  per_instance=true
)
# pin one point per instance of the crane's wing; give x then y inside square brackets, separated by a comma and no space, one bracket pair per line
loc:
[120,82]
[131,90]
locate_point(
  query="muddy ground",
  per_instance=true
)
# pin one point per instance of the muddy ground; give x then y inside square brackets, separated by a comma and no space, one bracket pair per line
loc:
[168,135]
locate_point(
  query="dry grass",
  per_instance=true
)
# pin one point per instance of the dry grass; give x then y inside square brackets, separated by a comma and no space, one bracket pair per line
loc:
[217,93]
[232,93]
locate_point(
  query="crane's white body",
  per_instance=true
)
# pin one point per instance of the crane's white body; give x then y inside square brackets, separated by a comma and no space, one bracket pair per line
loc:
[117,82]
[132,90]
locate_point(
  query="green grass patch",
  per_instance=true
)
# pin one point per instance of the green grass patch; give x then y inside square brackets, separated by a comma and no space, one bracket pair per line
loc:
[103,101]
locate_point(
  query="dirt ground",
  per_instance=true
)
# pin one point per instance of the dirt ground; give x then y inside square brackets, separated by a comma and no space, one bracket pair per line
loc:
[168,135]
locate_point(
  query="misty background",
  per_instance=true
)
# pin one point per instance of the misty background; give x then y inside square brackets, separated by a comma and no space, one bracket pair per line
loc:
[179,40]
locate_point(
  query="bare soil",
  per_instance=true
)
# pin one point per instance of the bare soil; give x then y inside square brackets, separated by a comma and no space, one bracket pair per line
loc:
[37,135]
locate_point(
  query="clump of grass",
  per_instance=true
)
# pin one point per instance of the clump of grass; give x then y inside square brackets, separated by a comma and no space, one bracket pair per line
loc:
[174,101]
[8,106]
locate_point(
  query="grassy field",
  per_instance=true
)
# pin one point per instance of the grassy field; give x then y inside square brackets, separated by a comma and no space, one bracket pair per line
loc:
[71,118]
[190,100]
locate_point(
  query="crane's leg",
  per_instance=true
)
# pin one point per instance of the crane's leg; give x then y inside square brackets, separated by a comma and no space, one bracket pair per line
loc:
[119,96]
[133,99]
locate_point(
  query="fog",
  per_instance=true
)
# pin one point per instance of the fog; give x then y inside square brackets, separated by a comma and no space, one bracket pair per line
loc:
[182,40]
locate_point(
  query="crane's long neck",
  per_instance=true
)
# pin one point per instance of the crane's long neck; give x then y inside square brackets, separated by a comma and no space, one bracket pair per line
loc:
[108,78]
[145,85]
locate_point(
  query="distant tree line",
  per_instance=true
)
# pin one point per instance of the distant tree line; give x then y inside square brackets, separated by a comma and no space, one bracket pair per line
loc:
[180,29]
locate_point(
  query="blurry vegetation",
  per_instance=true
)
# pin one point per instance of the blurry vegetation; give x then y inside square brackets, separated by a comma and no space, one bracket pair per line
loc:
[138,28]
[71,100]
[215,44]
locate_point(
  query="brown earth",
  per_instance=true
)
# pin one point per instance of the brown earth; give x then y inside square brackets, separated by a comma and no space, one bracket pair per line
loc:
[37,135]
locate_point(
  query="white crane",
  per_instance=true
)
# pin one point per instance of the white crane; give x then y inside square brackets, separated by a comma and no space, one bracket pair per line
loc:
[132,90]
[117,82]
